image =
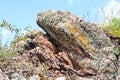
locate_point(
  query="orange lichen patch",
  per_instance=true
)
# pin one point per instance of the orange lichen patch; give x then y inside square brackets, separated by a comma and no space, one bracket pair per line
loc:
[83,39]
[78,34]
[73,31]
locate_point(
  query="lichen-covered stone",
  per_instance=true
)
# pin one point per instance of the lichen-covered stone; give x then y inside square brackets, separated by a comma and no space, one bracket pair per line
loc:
[88,48]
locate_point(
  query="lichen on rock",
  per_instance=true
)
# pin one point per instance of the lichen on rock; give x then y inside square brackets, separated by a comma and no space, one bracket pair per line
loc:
[71,49]
[85,44]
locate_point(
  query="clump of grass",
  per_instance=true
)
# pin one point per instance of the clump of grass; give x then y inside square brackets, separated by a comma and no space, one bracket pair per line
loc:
[5,53]
[113,27]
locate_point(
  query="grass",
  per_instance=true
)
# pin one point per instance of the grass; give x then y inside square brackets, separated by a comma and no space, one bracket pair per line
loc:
[113,27]
[5,53]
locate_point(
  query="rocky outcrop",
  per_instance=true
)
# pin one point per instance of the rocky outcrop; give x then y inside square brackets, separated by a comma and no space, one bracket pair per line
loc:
[90,53]
[71,49]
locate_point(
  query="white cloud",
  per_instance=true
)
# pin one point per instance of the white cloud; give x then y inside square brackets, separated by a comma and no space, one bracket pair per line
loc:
[70,2]
[5,32]
[7,36]
[112,9]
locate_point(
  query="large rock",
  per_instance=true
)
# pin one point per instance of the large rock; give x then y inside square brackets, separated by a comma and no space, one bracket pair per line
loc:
[89,50]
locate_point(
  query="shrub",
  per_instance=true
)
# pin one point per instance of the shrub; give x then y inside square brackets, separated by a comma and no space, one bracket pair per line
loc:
[10,51]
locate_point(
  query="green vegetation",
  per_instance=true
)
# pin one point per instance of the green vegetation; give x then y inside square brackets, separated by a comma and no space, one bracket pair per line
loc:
[113,27]
[9,27]
[7,52]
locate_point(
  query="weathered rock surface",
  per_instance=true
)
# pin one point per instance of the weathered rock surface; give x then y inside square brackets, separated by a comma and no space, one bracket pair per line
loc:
[89,51]
[72,49]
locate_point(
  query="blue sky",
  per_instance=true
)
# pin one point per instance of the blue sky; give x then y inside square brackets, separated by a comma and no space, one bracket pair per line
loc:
[23,12]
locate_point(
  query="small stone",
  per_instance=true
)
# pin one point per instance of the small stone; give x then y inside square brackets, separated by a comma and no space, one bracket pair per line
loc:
[34,77]
[60,78]
[17,76]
